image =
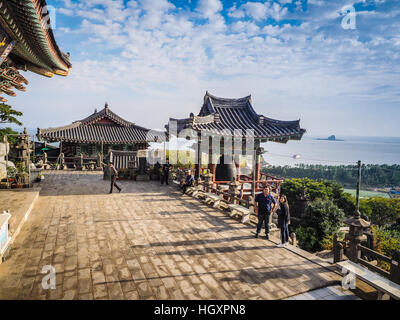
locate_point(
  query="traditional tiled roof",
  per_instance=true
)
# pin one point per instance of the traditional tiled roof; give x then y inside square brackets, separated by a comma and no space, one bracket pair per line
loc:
[27,41]
[103,126]
[27,23]
[222,116]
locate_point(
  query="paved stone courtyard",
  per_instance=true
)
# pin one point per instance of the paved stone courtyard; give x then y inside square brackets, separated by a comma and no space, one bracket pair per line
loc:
[148,242]
[328,293]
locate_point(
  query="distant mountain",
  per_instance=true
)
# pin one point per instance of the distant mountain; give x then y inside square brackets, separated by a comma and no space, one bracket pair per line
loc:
[330,138]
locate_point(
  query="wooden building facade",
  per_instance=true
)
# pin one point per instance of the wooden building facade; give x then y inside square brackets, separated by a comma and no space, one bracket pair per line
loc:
[100,132]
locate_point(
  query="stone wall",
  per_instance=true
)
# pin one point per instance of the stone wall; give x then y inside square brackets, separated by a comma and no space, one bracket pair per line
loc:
[4,148]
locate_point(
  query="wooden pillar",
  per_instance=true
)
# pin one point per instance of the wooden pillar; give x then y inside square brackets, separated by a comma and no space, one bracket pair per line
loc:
[238,168]
[199,156]
[256,165]
[253,189]
[213,168]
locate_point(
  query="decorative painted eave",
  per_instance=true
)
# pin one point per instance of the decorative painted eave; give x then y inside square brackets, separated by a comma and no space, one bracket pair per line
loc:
[35,39]
[30,44]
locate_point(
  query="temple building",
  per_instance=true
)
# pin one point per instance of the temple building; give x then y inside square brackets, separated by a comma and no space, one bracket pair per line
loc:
[27,43]
[232,119]
[100,132]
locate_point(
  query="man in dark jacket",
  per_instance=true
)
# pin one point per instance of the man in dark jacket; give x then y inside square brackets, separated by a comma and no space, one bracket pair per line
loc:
[165,172]
[114,176]
[188,181]
[265,203]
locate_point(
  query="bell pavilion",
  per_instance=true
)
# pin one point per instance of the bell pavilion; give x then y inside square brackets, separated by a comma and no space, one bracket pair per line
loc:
[235,119]
[27,43]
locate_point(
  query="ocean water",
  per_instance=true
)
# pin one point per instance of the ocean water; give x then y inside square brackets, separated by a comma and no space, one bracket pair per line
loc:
[370,150]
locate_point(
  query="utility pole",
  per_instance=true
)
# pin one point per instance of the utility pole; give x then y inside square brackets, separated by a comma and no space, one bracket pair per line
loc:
[358,186]
[357,225]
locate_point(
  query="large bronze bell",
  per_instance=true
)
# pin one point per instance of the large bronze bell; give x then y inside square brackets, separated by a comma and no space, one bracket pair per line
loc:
[225,172]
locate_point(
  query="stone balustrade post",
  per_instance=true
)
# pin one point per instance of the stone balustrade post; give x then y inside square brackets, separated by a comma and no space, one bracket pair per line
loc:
[62,161]
[209,182]
[234,190]
[251,203]
[338,250]
[294,239]
[200,184]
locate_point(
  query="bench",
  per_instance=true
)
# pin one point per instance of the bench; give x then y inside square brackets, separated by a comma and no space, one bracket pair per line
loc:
[212,198]
[190,190]
[198,192]
[381,284]
[237,209]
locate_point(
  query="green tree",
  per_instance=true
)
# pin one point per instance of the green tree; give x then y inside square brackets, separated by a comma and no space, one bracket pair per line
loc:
[326,190]
[324,216]
[307,238]
[322,219]
[387,242]
[382,212]
[372,175]
[9,115]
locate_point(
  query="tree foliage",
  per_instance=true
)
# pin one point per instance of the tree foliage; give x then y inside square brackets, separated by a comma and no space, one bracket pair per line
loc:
[322,219]
[6,131]
[9,115]
[307,238]
[387,243]
[329,205]
[325,190]
[381,211]
[371,175]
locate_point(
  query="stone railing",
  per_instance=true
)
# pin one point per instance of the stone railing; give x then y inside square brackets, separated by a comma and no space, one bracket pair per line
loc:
[369,258]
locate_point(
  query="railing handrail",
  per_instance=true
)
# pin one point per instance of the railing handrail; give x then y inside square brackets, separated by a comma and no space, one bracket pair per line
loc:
[375,254]
[369,265]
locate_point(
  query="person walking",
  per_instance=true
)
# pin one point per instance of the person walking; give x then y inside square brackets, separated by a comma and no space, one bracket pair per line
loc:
[165,172]
[283,220]
[114,176]
[265,204]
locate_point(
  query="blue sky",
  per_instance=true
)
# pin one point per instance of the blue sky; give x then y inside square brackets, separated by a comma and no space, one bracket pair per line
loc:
[154,59]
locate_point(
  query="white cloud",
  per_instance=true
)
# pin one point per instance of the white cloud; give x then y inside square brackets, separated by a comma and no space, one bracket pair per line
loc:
[209,8]
[259,11]
[159,57]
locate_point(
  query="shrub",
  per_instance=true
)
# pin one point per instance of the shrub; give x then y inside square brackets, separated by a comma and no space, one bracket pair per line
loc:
[387,242]
[326,190]
[382,212]
[327,241]
[322,220]
[324,216]
[307,238]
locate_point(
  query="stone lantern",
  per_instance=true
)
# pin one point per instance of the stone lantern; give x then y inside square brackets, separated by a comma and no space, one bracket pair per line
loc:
[234,190]
[356,234]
